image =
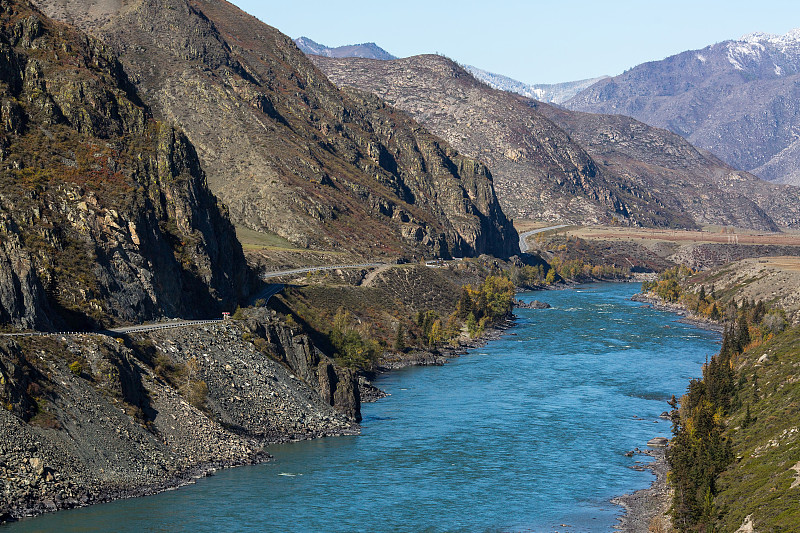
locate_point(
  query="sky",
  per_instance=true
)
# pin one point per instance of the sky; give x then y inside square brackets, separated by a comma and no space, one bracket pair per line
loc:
[533,41]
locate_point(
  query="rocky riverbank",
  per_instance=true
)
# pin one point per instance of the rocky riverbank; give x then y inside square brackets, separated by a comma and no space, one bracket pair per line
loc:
[686,316]
[645,509]
[440,355]
[90,418]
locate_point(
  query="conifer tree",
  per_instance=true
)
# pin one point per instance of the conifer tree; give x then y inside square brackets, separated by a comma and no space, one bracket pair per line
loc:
[742,333]
[399,339]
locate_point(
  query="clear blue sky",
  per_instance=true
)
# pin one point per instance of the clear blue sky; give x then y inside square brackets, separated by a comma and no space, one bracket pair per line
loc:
[534,41]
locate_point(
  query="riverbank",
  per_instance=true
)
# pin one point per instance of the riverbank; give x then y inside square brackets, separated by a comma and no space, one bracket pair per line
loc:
[38,477]
[116,420]
[440,355]
[645,510]
[687,317]
[449,441]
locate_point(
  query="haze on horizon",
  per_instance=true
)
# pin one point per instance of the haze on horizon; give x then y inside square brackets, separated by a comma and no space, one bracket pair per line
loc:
[535,41]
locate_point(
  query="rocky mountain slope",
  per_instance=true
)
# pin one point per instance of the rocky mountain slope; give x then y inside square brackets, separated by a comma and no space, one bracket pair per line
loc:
[681,176]
[367,50]
[738,99]
[286,150]
[105,216]
[561,166]
[555,93]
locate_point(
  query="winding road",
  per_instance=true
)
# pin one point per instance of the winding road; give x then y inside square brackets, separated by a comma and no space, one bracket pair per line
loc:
[269,290]
[268,275]
[523,237]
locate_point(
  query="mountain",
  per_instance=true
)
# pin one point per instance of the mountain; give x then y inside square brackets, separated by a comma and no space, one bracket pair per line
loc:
[556,165]
[683,177]
[556,93]
[366,50]
[105,215]
[737,99]
[289,153]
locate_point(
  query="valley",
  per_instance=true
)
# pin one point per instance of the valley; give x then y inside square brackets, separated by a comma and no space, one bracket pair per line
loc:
[217,241]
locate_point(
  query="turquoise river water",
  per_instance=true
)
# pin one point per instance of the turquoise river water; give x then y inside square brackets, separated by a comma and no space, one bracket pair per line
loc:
[525,434]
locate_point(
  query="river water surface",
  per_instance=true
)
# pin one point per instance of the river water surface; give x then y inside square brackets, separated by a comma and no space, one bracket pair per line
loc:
[526,434]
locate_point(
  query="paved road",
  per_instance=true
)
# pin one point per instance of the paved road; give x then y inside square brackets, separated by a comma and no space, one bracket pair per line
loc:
[279,273]
[270,290]
[523,237]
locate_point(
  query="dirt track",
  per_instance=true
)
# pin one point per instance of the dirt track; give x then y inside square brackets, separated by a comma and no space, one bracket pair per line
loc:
[783,239]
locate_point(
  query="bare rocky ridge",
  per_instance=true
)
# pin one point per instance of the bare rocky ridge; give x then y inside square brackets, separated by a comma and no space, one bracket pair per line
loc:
[599,169]
[368,50]
[684,178]
[738,99]
[555,93]
[286,150]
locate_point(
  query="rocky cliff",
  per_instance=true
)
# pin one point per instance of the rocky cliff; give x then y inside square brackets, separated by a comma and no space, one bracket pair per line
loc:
[738,99]
[561,166]
[105,216]
[287,151]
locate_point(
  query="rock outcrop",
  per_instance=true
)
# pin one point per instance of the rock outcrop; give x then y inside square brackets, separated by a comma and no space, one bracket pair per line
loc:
[287,151]
[105,216]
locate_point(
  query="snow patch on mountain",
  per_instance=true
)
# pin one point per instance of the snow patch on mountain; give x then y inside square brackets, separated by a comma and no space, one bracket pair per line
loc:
[765,54]
[553,93]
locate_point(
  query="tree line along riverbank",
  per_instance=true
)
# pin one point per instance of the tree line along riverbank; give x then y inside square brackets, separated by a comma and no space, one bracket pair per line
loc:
[734,456]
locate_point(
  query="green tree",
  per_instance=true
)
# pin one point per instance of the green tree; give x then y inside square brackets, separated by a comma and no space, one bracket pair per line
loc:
[399,338]
[472,325]
[743,332]
[465,305]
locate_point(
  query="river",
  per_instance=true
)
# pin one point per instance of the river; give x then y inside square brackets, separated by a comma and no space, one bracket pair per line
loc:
[525,434]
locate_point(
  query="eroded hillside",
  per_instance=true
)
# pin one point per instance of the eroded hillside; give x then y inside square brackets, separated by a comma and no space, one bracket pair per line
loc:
[551,164]
[287,151]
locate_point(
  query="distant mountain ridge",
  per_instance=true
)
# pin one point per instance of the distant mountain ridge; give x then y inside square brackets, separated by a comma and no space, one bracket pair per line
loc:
[555,93]
[553,164]
[365,50]
[739,99]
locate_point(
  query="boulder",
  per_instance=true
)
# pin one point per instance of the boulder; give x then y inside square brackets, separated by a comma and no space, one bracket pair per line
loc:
[536,304]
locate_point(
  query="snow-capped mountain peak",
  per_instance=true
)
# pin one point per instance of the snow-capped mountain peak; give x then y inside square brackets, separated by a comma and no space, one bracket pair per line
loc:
[766,54]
